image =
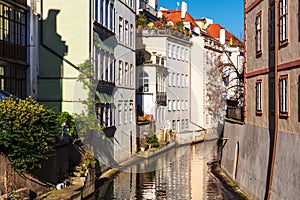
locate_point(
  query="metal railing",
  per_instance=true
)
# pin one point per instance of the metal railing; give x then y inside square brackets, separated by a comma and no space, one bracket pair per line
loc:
[236,113]
[163,31]
[145,6]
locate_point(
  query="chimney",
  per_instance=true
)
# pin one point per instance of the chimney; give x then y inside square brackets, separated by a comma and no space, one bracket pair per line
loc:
[183,9]
[222,36]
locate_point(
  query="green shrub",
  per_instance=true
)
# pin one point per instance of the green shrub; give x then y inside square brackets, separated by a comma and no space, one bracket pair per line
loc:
[152,139]
[67,121]
[28,131]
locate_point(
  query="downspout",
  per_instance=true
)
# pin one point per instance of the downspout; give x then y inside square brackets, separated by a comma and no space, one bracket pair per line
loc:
[90,31]
[276,111]
[49,48]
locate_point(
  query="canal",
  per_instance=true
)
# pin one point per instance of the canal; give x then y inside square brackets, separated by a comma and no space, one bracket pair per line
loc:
[180,173]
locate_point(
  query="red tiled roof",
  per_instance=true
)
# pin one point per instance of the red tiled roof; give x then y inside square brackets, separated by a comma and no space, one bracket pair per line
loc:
[175,16]
[214,31]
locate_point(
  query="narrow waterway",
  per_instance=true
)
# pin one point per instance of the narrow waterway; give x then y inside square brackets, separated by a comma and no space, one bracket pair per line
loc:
[181,173]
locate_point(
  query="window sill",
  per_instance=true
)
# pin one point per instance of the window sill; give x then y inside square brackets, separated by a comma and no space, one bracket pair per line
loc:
[283,43]
[283,114]
[258,54]
[259,112]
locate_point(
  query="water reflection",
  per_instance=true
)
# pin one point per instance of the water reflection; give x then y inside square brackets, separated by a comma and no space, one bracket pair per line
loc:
[185,177]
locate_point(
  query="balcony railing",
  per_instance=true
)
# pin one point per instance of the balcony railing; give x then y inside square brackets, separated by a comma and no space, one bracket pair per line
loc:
[236,113]
[13,51]
[145,6]
[22,2]
[163,31]
[161,98]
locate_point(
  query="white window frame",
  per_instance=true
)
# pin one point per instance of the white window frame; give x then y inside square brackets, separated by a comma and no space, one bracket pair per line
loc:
[258,87]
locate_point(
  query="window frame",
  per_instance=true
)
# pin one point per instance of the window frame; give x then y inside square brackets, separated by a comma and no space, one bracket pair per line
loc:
[283,28]
[258,97]
[258,33]
[143,82]
[284,112]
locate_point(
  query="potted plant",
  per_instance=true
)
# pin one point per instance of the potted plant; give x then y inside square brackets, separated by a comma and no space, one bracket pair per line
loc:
[144,147]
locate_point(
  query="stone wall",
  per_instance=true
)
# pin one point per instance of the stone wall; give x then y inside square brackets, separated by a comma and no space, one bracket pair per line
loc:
[39,181]
[253,145]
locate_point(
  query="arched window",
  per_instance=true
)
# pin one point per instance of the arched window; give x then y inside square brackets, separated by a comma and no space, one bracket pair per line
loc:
[143,82]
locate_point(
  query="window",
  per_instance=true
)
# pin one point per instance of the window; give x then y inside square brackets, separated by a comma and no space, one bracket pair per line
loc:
[186,55]
[120,73]
[126,74]
[258,33]
[106,13]
[111,17]
[104,112]
[178,53]
[126,32]
[143,82]
[126,113]
[174,51]
[120,113]
[283,20]
[170,79]
[96,10]
[178,80]
[187,80]
[111,69]
[13,80]
[182,52]
[169,51]
[131,35]
[174,105]
[121,32]
[131,75]
[272,25]
[258,97]
[283,95]
[169,105]
[107,64]
[131,111]
[186,105]
[174,79]
[12,32]
[101,11]
[186,123]
[178,104]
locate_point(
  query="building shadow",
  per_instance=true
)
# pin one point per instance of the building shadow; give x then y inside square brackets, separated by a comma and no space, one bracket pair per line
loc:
[52,51]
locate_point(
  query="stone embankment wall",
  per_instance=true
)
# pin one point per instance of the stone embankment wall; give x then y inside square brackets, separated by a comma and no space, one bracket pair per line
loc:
[39,181]
[246,154]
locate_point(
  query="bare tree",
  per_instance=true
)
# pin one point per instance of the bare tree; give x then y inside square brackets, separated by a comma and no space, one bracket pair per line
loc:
[225,86]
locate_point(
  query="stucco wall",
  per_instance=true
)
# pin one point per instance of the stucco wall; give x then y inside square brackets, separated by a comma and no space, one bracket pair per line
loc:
[252,167]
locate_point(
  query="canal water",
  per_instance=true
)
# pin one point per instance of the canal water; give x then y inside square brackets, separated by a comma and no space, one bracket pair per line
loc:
[180,173]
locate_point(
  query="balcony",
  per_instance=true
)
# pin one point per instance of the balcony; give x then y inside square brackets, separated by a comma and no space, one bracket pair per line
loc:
[163,31]
[146,7]
[22,2]
[161,98]
[236,113]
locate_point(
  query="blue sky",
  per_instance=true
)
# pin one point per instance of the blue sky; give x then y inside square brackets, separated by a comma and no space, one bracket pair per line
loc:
[229,14]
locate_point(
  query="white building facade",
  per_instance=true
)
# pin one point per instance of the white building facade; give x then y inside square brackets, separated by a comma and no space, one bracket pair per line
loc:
[124,95]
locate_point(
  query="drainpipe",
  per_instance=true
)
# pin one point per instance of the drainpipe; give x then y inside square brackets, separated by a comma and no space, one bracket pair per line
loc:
[276,113]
